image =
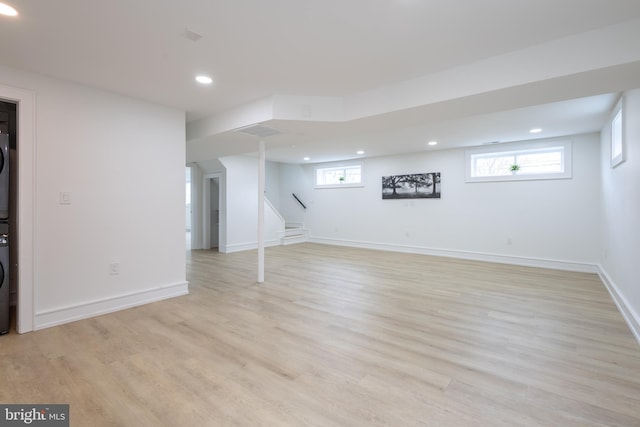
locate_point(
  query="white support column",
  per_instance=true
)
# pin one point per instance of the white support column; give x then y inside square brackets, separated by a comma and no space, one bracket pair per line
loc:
[261,187]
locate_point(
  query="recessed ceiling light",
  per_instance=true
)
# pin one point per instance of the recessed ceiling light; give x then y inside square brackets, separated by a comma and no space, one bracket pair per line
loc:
[307,158]
[5,9]
[359,152]
[205,80]
[535,130]
[432,143]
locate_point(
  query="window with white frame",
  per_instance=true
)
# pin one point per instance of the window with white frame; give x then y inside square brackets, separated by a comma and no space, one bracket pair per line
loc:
[519,161]
[617,135]
[348,175]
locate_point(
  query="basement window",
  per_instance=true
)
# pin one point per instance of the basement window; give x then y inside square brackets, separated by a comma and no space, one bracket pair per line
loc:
[348,175]
[519,162]
[617,135]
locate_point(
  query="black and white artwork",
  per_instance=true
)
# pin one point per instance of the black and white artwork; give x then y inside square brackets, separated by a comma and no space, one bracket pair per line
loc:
[413,186]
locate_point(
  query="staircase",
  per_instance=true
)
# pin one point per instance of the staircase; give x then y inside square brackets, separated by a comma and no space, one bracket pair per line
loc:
[294,232]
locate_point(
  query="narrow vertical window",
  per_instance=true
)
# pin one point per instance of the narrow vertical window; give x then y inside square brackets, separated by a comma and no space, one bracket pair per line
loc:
[617,135]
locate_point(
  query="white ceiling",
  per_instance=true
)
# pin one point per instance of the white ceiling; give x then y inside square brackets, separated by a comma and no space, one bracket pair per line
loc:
[340,50]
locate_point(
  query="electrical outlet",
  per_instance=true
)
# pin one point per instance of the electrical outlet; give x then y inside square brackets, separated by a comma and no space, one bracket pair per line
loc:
[509,241]
[65,198]
[114,268]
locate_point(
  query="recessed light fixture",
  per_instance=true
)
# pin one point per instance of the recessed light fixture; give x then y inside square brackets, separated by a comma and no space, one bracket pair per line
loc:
[359,152]
[7,10]
[535,130]
[307,158]
[205,80]
[432,143]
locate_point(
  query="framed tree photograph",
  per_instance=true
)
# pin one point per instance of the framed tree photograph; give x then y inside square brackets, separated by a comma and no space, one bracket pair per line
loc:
[412,186]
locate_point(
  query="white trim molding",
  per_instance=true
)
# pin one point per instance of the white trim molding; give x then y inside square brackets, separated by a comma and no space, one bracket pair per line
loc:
[475,256]
[26,106]
[239,247]
[59,316]
[628,313]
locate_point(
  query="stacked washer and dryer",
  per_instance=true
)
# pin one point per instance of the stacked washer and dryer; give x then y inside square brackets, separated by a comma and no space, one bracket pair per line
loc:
[5,303]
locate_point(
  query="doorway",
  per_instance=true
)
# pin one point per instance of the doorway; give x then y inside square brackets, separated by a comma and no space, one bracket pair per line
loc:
[24,204]
[214,219]
[8,223]
[189,211]
[213,212]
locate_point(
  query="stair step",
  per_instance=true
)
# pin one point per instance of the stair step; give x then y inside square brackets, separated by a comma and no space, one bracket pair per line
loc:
[296,237]
[294,232]
[291,240]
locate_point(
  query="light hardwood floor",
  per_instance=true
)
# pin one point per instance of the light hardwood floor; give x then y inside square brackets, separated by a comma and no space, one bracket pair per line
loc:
[342,337]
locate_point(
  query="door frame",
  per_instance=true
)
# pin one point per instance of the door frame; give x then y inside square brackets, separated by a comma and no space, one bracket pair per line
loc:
[25,149]
[192,195]
[206,211]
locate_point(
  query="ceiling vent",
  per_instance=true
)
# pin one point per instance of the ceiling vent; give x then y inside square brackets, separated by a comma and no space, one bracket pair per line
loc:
[259,130]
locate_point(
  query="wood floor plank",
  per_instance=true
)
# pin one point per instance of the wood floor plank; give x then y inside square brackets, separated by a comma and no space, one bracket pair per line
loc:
[339,336]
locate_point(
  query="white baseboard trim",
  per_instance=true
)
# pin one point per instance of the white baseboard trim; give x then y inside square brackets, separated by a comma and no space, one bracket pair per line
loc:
[475,256]
[628,313]
[249,246]
[59,316]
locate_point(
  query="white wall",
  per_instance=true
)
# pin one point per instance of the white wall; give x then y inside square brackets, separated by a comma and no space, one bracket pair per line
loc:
[241,202]
[122,160]
[272,183]
[621,216]
[242,206]
[197,200]
[551,223]
[294,179]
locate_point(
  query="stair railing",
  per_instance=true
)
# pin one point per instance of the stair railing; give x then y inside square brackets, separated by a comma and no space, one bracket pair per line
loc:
[299,201]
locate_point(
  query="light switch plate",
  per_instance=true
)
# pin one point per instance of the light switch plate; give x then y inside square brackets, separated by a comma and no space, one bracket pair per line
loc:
[65,198]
